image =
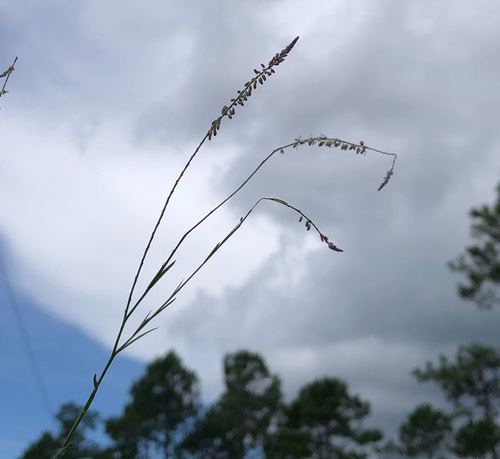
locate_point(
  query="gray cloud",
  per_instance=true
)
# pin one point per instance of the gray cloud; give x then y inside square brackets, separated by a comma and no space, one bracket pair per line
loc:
[416,79]
[411,81]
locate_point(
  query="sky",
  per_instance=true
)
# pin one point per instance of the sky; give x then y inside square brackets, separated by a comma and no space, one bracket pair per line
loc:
[64,358]
[109,100]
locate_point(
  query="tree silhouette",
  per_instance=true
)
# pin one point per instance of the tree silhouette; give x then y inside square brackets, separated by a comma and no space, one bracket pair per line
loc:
[81,447]
[324,421]
[424,432]
[164,419]
[162,402]
[478,439]
[240,419]
[472,384]
[481,262]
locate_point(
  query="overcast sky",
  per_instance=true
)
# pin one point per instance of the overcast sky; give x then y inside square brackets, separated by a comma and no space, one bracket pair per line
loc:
[110,98]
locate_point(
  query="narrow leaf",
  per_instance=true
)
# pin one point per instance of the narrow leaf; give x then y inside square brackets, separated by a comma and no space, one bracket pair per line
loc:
[279,201]
[132,341]
[163,270]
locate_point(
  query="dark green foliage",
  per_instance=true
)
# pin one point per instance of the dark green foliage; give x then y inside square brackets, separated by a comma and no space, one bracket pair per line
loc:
[324,421]
[287,443]
[424,431]
[390,450]
[163,418]
[44,447]
[481,262]
[48,444]
[241,417]
[127,435]
[472,383]
[478,439]
[162,401]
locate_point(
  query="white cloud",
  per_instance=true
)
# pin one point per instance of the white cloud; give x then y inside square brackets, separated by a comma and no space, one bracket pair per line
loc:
[79,221]
[107,101]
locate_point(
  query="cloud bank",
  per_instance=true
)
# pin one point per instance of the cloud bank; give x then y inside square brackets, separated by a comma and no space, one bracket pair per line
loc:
[109,99]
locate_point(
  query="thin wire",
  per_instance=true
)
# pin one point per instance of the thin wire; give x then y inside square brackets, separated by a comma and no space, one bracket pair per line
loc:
[11,298]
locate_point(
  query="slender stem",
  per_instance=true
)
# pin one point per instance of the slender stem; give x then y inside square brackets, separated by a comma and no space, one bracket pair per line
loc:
[126,315]
[97,383]
[115,352]
[7,75]
[264,161]
[188,232]
[231,233]
[128,310]
[160,218]
[226,112]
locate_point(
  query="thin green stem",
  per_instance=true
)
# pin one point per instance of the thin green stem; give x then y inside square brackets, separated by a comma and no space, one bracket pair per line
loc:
[226,112]
[7,75]
[88,403]
[280,149]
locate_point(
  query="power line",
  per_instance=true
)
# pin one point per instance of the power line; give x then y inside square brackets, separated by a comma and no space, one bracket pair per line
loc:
[11,298]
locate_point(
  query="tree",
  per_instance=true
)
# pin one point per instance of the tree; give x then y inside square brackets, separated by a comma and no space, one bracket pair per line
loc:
[240,419]
[48,444]
[324,421]
[44,447]
[424,432]
[287,443]
[481,262]
[163,418]
[163,400]
[478,439]
[472,384]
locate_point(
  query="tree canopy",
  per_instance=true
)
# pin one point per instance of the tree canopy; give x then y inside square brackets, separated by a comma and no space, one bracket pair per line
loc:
[324,421]
[480,263]
[425,431]
[471,382]
[240,419]
[165,418]
[162,401]
[47,445]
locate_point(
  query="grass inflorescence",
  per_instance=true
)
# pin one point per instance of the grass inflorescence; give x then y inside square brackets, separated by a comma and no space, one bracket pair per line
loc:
[122,342]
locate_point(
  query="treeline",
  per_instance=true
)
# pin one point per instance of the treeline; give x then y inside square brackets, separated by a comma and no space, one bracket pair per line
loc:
[166,418]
